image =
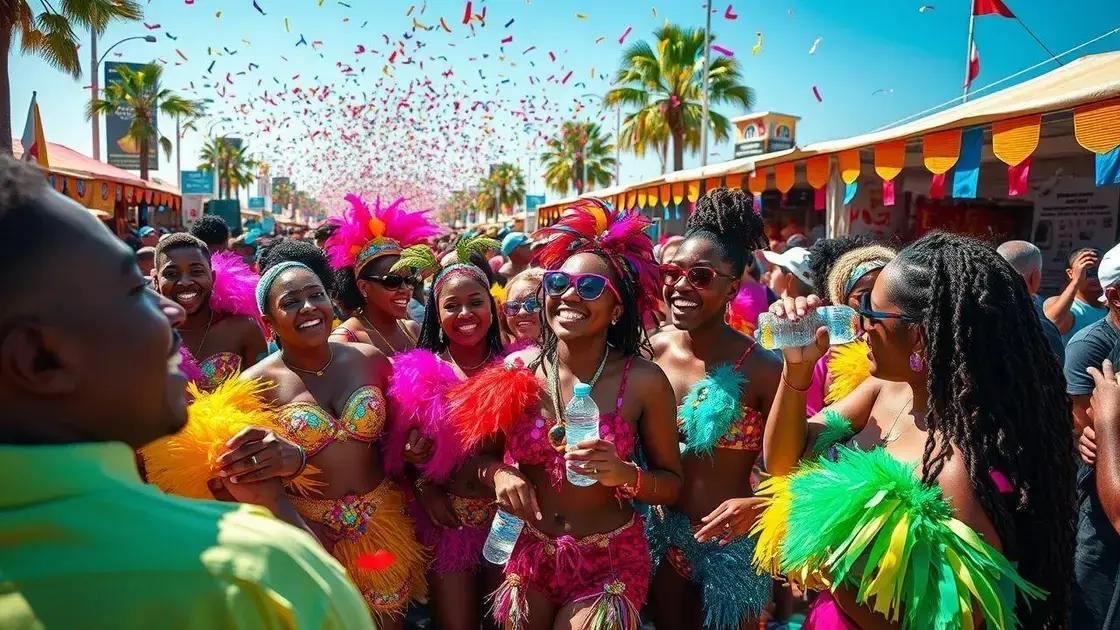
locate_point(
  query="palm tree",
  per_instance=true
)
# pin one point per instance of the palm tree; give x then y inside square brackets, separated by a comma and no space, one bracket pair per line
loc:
[566,154]
[242,169]
[282,195]
[51,36]
[508,183]
[484,200]
[643,131]
[667,83]
[141,94]
[235,167]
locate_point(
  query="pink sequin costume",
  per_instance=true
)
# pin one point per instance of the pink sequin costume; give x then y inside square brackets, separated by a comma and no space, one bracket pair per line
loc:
[418,395]
[614,566]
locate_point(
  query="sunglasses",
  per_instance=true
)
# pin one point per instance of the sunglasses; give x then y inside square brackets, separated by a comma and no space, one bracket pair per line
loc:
[589,286]
[699,276]
[529,305]
[870,316]
[394,282]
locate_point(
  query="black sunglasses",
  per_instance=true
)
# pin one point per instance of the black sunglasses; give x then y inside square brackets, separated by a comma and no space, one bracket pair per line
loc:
[531,306]
[394,282]
[870,316]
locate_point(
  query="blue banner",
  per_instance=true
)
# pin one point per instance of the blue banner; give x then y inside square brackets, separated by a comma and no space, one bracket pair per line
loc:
[532,202]
[257,203]
[966,172]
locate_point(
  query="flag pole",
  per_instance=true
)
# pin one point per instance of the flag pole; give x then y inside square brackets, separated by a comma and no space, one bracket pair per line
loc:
[968,50]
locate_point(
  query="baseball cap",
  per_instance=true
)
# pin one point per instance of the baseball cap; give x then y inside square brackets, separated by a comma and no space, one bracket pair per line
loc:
[795,260]
[512,241]
[1108,270]
[146,230]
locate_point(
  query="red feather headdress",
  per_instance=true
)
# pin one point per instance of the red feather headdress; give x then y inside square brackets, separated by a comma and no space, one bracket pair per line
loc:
[592,225]
[365,233]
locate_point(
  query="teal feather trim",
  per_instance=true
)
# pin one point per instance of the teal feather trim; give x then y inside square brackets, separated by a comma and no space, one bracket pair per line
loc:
[837,428]
[710,407]
[868,524]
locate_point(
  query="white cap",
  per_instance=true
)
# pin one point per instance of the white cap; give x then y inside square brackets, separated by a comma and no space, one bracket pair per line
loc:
[1108,270]
[795,260]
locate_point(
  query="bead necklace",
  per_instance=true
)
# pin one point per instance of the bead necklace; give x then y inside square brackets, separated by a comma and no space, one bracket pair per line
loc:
[558,434]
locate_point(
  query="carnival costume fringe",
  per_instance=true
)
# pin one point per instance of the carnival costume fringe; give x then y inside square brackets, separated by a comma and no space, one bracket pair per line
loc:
[418,392]
[848,366]
[711,407]
[868,524]
[492,400]
[183,463]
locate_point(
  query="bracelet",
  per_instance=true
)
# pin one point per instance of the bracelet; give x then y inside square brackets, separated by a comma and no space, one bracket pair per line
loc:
[302,463]
[800,390]
[627,491]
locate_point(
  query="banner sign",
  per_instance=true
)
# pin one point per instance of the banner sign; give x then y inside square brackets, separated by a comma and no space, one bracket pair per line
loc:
[122,151]
[196,182]
[256,203]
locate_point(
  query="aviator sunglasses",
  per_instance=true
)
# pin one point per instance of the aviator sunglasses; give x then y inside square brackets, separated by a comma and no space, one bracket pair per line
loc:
[531,306]
[589,286]
[699,276]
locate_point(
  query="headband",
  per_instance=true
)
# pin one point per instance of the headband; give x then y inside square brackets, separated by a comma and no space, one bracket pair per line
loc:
[269,276]
[373,251]
[860,271]
[460,269]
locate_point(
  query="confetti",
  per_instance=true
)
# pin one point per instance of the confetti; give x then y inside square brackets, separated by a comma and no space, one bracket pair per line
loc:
[211,68]
[757,48]
[566,77]
[443,23]
[653,10]
[883,91]
[467,13]
[528,50]
[730,14]
[257,6]
[411,8]
[813,48]
[170,36]
[151,27]
[218,14]
[926,8]
[581,16]
[180,53]
[723,51]
[817,93]
[508,23]
[622,38]
[301,41]
[552,55]
[507,39]
[287,26]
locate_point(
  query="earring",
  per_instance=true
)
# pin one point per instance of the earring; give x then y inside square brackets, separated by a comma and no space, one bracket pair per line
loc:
[365,296]
[916,363]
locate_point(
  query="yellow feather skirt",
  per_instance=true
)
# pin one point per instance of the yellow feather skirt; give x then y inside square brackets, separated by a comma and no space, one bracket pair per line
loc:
[374,522]
[848,366]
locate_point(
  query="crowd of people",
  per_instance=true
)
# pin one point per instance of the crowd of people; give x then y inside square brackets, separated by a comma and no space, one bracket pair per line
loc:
[320,433]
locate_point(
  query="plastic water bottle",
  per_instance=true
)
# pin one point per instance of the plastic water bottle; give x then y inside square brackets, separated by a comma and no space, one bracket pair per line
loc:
[774,333]
[581,422]
[502,537]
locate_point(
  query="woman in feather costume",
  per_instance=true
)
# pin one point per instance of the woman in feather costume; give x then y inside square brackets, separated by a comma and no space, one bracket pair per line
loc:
[853,274]
[364,247]
[311,415]
[452,508]
[724,384]
[940,493]
[223,331]
[582,560]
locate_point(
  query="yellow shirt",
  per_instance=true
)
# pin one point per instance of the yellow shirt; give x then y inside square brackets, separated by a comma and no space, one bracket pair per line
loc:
[85,544]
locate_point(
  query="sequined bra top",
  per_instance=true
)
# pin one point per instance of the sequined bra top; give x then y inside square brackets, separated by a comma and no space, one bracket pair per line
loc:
[217,368]
[712,415]
[310,426]
[527,439]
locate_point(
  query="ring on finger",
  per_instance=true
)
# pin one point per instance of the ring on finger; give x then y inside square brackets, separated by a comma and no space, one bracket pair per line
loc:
[253,460]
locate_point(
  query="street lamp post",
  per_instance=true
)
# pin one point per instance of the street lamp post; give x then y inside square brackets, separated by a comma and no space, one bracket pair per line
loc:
[707,63]
[95,63]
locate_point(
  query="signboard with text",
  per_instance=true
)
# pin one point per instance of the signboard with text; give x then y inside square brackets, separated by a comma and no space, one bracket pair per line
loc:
[196,182]
[532,202]
[120,150]
[257,203]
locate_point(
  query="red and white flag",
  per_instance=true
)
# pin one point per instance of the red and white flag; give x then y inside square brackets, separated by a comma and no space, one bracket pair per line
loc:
[991,7]
[973,64]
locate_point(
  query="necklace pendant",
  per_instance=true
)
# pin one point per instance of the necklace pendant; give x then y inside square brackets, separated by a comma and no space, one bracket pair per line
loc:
[558,437]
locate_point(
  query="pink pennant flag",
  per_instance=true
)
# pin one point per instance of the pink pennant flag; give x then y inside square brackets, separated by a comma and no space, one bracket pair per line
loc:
[1017,178]
[888,192]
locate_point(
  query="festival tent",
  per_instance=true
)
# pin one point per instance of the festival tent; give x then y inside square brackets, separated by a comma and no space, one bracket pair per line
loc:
[104,189]
[1075,107]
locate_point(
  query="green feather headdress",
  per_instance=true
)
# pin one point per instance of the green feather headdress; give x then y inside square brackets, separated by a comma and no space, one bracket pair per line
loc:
[423,259]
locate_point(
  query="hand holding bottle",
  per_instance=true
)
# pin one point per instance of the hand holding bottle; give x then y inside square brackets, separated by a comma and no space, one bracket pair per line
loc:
[787,312]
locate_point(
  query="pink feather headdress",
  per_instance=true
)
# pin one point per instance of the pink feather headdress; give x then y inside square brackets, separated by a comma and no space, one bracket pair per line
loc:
[364,233]
[593,225]
[235,287]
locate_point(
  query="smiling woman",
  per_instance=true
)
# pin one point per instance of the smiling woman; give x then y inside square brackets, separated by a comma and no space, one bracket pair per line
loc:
[218,331]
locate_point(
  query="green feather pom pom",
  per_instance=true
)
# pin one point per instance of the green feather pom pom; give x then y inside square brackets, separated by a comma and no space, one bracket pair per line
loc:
[710,407]
[837,429]
[469,245]
[418,258]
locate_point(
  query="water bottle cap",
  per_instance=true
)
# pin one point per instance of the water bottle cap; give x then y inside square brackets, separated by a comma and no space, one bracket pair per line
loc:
[582,389]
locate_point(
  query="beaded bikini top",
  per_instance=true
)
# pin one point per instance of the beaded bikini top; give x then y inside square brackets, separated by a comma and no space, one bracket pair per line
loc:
[313,428]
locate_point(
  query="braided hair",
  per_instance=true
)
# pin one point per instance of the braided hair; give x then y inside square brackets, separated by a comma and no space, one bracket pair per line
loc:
[726,217]
[430,338]
[824,254]
[997,394]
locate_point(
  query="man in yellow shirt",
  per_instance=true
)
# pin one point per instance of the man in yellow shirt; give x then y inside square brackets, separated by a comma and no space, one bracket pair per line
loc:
[88,373]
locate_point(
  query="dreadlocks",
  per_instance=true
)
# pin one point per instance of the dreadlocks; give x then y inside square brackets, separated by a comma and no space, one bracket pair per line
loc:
[727,218]
[997,394]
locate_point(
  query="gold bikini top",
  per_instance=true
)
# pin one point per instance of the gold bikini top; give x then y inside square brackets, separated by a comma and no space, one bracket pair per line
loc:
[310,426]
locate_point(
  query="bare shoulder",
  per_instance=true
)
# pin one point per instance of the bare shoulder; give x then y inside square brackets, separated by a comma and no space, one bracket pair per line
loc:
[265,369]
[647,377]
[363,359]
[956,485]
[413,328]
[665,341]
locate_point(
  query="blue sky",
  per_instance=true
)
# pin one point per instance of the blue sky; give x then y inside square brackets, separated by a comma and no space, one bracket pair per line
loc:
[416,139]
